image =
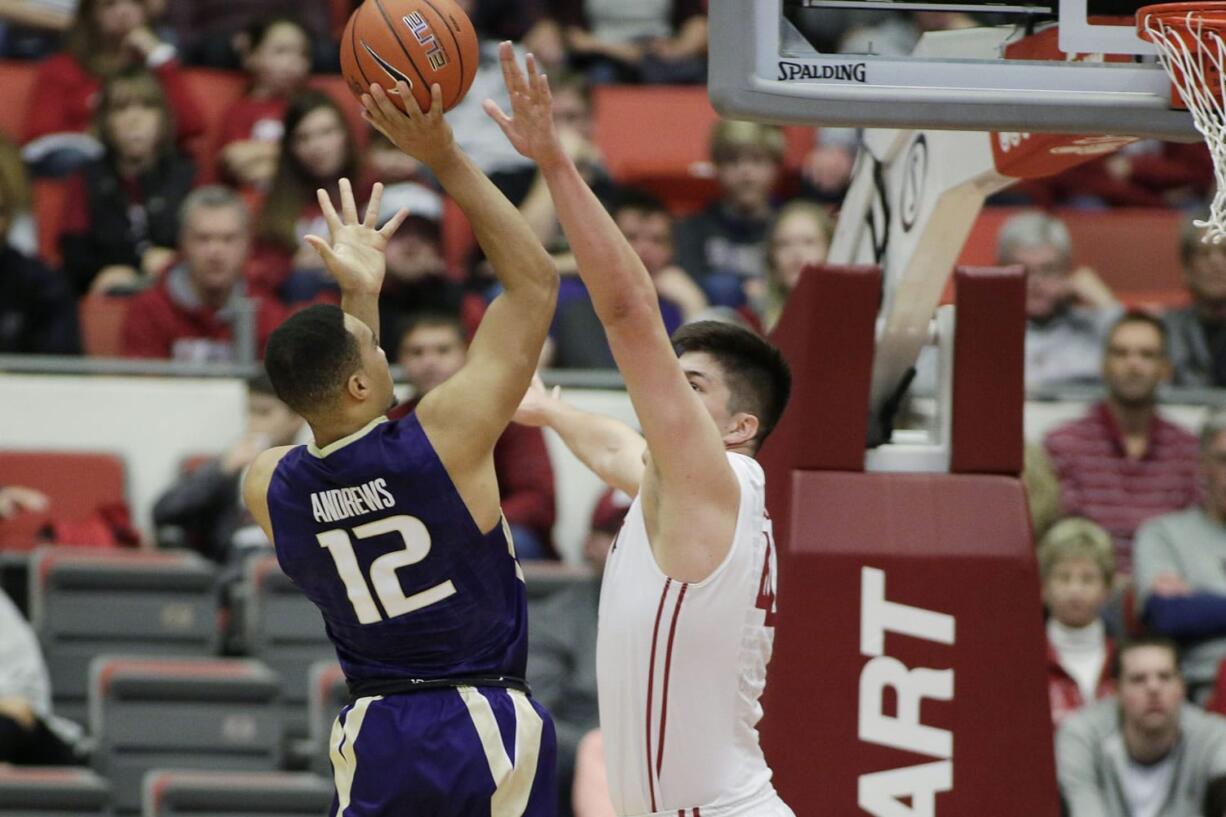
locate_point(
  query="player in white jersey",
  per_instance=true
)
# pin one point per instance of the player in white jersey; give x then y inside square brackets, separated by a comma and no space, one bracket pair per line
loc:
[687,603]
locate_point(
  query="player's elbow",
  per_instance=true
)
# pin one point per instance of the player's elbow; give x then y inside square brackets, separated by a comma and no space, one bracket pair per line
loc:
[630,311]
[540,283]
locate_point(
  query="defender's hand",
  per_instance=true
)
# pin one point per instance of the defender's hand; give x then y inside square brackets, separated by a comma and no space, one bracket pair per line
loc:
[425,136]
[530,127]
[534,408]
[354,257]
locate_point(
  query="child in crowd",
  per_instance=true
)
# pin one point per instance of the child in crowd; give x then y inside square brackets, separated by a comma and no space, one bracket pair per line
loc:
[723,246]
[107,38]
[277,55]
[122,217]
[1076,563]
[317,149]
[799,238]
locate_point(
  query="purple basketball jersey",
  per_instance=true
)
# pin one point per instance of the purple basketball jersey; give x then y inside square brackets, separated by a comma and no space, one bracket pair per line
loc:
[373,531]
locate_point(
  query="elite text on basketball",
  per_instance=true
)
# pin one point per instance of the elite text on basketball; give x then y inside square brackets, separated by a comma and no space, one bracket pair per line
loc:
[435,54]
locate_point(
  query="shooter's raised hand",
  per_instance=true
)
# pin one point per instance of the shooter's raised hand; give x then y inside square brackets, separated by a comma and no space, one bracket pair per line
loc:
[530,126]
[354,252]
[425,136]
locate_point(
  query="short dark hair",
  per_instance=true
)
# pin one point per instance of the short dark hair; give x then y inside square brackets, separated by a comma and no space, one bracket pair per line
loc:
[633,198]
[1139,316]
[310,357]
[260,384]
[261,26]
[758,376]
[1160,641]
[432,319]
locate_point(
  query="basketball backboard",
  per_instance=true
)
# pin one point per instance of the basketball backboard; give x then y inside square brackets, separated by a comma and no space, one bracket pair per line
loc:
[1057,66]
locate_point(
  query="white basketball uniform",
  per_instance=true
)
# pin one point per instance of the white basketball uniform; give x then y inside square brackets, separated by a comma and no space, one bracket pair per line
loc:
[680,667]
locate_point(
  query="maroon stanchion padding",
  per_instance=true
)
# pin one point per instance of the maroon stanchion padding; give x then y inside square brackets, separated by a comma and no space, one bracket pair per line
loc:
[826,334]
[908,675]
[989,386]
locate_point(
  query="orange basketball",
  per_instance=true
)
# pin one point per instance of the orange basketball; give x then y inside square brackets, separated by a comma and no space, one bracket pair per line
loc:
[422,42]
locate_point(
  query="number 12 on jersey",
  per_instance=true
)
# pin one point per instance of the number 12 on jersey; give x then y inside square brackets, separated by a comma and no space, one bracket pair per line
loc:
[416,540]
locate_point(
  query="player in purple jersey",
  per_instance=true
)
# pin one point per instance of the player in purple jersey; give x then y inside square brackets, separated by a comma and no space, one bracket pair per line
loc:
[393,529]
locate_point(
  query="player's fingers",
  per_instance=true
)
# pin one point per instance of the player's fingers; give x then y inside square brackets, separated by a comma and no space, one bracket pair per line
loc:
[409,99]
[349,207]
[511,74]
[374,121]
[534,74]
[383,103]
[494,112]
[324,249]
[330,216]
[436,101]
[546,93]
[372,206]
[557,393]
[370,108]
[394,223]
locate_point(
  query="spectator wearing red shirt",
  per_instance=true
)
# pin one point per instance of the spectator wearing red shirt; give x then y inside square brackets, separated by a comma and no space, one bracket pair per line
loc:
[1077,567]
[1123,463]
[277,56]
[431,350]
[107,37]
[193,311]
[317,150]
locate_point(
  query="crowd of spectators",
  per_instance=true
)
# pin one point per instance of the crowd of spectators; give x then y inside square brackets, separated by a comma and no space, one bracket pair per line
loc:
[1130,510]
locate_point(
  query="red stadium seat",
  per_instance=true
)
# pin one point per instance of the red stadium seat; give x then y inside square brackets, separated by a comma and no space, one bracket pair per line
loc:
[215,91]
[671,156]
[102,318]
[78,484]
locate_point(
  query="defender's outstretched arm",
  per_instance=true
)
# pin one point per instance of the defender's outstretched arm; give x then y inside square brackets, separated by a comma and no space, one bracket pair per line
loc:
[465,416]
[687,449]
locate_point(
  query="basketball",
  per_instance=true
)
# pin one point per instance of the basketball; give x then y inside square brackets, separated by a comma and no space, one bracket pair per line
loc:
[422,42]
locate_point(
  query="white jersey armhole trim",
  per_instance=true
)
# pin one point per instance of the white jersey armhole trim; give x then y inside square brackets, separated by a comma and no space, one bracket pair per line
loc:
[740,520]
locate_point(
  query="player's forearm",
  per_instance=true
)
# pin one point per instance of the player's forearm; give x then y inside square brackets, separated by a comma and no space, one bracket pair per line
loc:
[537,210]
[363,305]
[513,250]
[615,277]
[609,448]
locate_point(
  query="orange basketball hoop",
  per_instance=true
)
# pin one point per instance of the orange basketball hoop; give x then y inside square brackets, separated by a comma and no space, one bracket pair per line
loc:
[1191,41]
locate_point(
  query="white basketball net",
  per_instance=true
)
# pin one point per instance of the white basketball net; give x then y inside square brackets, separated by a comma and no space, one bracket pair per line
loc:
[1195,58]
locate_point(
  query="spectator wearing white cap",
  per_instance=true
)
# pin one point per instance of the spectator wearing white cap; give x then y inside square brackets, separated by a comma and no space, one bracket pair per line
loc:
[417,276]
